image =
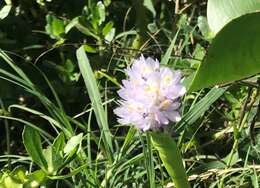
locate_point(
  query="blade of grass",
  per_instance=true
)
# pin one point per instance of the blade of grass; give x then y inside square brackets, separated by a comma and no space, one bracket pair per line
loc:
[19,71]
[200,108]
[149,159]
[26,83]
[95,97]
[30,125]
[127,142]
[168,53]
[44,116]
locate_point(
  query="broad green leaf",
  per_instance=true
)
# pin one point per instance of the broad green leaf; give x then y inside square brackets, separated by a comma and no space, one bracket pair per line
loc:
[54,160]
[36,178]
[73,143]
[92,87]
[149,5]
[86,30]
[55,27]
[99,13]
[10,182]
[107,28]
[233,54]
[110,36]
[71,149]
[59,142]
[57,153]
[19,173]
[220,12]
[171,158]
[5,11]
[89,49]
[32,143]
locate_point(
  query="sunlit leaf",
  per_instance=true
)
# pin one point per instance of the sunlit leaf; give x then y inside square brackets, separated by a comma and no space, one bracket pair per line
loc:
[73,143]
[5,11]
[36,178]
[55,27]
[220,12]
[233,54]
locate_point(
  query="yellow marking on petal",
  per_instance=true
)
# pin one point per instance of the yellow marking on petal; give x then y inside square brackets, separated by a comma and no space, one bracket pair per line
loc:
[131,107]
[146,70]
[165,104]
[151,89]
[134,107]
[167,79]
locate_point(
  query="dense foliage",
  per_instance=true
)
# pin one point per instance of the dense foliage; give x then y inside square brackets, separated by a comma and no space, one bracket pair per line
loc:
[61,63]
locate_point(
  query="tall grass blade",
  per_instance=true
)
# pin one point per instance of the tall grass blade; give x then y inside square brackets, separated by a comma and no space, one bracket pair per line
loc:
[168,53]
[200,108]
[95,98]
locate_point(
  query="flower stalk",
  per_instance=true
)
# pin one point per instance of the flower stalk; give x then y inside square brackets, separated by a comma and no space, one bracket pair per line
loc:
[171,158]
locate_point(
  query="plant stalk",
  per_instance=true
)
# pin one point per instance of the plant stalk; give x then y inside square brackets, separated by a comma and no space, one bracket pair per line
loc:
[171,158]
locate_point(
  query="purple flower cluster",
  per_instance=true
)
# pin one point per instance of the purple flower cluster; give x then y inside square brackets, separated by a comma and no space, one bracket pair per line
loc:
[150,95]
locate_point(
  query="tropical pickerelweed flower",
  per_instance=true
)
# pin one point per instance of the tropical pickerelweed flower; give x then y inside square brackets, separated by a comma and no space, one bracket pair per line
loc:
[150,95]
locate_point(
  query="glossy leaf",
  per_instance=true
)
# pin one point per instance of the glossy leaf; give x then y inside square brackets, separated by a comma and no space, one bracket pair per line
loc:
[233,54]
[220,12]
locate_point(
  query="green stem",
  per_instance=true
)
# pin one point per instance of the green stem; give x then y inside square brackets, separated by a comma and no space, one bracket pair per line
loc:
[171,158]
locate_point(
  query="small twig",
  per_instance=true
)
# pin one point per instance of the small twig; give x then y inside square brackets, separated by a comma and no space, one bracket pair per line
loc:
[177,6]
[220,172]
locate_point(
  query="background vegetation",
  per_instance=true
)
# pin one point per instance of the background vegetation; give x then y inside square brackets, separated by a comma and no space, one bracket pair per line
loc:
[57,123]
